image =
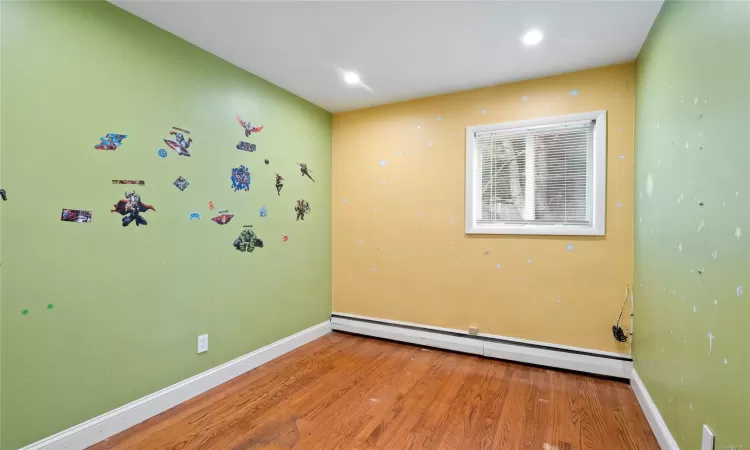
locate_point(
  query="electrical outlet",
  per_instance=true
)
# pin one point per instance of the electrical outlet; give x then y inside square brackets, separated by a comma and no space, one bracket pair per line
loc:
[707,443]
[202,343]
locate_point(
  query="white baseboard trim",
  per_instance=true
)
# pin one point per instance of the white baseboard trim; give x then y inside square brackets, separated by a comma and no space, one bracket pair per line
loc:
[487,335]
[108,424]
[531,352]
[424,337]
[658,426]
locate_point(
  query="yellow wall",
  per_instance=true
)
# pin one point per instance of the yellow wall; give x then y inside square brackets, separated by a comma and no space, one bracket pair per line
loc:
[399,248]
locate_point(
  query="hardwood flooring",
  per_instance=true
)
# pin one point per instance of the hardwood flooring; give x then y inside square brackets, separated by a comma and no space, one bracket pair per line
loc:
[351,392]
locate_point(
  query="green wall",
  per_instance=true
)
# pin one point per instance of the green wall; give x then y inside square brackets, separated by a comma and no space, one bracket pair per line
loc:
[129,303]
[692,147]
[1,233]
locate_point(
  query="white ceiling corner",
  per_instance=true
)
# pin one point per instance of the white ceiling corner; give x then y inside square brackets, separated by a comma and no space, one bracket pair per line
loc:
[403,50]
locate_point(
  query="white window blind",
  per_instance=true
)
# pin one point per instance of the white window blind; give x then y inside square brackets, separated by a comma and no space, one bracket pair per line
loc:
[534,175]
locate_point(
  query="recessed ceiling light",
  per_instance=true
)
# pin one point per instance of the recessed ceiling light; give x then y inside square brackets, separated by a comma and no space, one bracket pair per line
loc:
[351,77]
[533,37]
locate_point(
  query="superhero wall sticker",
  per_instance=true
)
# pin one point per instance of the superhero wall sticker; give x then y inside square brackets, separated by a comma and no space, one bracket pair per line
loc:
[247,240]
[241,179]
[111,141]
[305,171]
[302,209]
[181,183]
[179,143]
[223,218]
[246,146]
[75,215]
[249,128]
[131,208]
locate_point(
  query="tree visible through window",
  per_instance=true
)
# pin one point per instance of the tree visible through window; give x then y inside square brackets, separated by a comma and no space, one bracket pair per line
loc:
[537,175]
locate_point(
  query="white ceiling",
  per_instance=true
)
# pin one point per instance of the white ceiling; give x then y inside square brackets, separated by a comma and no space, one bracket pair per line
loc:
[403,50]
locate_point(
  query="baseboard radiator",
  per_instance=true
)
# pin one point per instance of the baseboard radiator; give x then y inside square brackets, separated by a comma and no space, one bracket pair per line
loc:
[596,362]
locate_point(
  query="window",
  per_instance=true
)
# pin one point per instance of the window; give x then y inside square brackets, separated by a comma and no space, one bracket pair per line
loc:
[544,176]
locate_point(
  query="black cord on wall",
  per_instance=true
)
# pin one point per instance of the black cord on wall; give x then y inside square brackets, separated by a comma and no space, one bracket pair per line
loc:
[617,330]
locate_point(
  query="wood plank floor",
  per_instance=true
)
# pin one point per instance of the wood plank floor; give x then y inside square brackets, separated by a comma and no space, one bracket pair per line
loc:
[350,392]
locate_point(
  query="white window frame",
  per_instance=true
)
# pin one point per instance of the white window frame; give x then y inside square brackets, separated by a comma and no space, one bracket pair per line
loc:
[597,189]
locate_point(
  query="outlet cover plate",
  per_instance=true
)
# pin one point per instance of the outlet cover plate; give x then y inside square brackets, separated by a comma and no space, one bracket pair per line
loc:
[202,343]
[707,442]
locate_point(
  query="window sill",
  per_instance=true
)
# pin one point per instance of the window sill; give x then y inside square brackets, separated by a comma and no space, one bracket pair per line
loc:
[538,230]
